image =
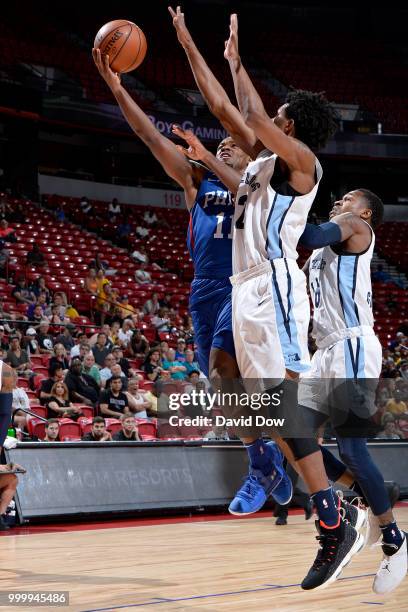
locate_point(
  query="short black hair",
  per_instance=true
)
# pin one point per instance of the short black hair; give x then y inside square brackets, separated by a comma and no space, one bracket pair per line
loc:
[375,204]
[53,368]
[315,118]
[98,419]
[50,422]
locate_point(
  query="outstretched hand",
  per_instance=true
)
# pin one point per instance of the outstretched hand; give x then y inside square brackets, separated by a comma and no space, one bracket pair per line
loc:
[183,34]
[231,45]
[102,63]
[196,149]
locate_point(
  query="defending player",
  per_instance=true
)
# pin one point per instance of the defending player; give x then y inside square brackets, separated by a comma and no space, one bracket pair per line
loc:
[348,351]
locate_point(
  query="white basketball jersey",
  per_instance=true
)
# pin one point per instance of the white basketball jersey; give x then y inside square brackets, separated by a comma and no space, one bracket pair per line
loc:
[267,225]
[340,286]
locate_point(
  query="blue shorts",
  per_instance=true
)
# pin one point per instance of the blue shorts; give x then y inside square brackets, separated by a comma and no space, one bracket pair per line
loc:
[211,311]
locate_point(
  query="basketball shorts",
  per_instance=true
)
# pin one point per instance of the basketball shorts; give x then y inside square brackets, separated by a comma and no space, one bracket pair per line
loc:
[343,379]
[210,308]
[271,316]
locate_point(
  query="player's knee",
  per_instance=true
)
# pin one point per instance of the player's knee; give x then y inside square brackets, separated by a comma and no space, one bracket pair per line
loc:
[8,379]
[302,447]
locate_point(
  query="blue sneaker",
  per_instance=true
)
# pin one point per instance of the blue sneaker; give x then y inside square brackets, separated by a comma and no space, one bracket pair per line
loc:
[257,487]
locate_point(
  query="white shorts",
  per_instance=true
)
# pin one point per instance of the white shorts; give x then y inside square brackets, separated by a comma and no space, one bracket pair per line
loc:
[270,320]
[347,359]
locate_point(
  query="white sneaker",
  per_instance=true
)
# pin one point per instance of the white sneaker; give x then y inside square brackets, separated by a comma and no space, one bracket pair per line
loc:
[373,532]
[392,570]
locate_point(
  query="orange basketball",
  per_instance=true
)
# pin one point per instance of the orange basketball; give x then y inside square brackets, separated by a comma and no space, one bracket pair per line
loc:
[124,42]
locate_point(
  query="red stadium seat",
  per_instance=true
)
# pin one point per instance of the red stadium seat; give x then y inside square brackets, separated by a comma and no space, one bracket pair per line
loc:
[146,430]
[113,425]
[69,430]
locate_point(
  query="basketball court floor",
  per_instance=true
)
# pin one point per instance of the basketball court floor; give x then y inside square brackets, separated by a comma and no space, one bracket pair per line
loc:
[211,564]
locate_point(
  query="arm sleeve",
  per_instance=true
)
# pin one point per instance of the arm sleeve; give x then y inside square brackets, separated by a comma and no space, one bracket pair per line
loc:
[318,236]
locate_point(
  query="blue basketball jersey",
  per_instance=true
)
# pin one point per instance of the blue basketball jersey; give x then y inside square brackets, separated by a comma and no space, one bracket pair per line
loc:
[209,236]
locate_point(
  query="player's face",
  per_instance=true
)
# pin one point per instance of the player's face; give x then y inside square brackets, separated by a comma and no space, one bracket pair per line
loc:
[282,122]
[232,155]
[352,202]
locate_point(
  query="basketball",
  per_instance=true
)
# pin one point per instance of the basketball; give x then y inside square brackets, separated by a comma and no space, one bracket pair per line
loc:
[124,42]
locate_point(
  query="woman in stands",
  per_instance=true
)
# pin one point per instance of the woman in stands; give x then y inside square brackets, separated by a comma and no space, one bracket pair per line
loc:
[153,366]
[91,282]
[59,405]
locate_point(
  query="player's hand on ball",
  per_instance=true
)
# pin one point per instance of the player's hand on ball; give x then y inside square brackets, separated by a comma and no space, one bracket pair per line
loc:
[183,34]
[102,63]
[231,45]
[196,149]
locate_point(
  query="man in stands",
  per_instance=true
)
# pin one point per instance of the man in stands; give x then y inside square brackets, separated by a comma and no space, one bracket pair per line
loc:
[7,233]
[55,374]
[101,349]
[117,352]
[18,358]
[140,404]
[152,305]
[175,367]
[139,345]
[125,333]
[139,255]
[114,402]
[52,431]
[129,430]
[181,350]
[82,388]
[98,432]
[45,340]
[35,257]
[106,373]
[82,339]
[4,345]
[124,309]
[66,338]
[142,276]
[22,294]
[60,300]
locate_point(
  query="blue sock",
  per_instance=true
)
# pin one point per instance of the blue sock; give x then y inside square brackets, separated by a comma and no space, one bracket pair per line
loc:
[391,534]
[327,508]
[258,456]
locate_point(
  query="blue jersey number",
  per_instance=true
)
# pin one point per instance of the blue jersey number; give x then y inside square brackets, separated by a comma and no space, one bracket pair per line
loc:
[224,226]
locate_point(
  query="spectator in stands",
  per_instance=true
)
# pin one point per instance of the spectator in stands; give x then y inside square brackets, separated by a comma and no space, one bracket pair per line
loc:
[60,300]
[81,340]
[4,258]
[52,431]
[7,233]
[114,209]
[82,388]
[31,342]
[55,374]
[117,371]
[35,258]
[137,399]
[55,318]
[5,208]
[104,302]
[396,406]
[66,338]
[192,379]
[86,206]
[161,320]
[101,349]
[152,305]
[390,432]
[117,352]
[18,358]
[150,218]
[166,301]
[381,276]
[114,333]
[91,283]
[191,365]
[21,293]
[140,255]
[99,264]
[60,356]
[159,401]
[181,350]
[21,402]
[129,430]
[71,312]
[142,276]
[39,286]
[123,232]
[105,373]
[58,404]
[124,309]
[33,309]
[139,345]
[175,367]
[89,367]
[153,366]
[114,402]
[98,433]
[60,213]
[4,345]
[125,334]
[142,232]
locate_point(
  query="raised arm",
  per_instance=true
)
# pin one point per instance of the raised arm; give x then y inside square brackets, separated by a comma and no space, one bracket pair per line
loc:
[212,91]
[292,151]
[165,151]
[345,228]
[196,151]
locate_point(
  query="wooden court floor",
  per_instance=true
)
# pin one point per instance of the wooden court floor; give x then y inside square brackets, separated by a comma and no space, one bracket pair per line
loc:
[214,566]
